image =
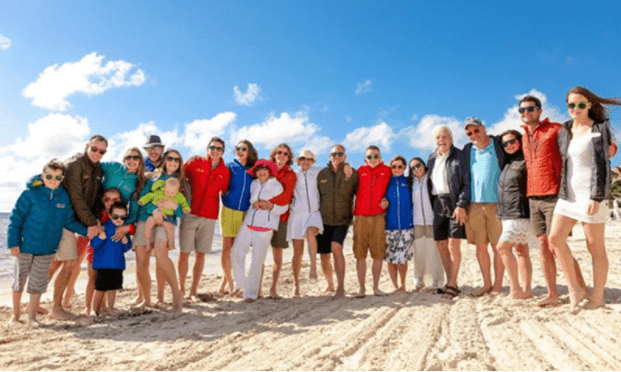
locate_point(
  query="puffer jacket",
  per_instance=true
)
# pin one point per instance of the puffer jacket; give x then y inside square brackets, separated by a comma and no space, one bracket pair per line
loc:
[116,175]
[600,177]
[83,183]
[458,175]
[263,217]
[108,254]
[306,194]
[238,195]
[512,199]
[399,213]
[206,185]
[37,220]
[543,159]
[372,184]
[336,194]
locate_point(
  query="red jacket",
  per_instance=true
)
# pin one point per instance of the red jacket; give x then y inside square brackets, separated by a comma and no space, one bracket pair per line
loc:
[287,178]
[543,159]
[372,185]
[206,185]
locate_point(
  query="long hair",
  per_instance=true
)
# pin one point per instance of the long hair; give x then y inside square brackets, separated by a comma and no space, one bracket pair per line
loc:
[179,174]
[141,179]
[518,137]
[411,170]
[253,155]
[597,112]
[275,150]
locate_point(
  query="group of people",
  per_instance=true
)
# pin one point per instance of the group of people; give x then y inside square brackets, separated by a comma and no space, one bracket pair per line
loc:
[497,191]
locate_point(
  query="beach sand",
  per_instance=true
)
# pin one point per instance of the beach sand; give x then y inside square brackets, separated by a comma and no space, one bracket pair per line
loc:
[409,331]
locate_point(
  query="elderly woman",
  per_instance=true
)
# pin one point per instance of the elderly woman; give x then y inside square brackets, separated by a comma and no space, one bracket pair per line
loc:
[449,187]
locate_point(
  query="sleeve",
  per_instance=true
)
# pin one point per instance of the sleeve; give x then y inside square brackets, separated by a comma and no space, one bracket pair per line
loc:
[146,199]
[96,242]
[74,187]
[182,202]
[134,208]
[17,218]
[72,225]
[288,184]
[127,246]
[277,210]
[227,180]
[254,197]
[108,167]
[463,199]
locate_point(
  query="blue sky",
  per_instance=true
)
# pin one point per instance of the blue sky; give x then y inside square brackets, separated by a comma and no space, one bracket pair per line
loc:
[309,74]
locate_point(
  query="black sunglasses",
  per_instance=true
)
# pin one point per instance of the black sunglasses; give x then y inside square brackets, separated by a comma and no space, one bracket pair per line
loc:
[58,177]
[132,157]
[509,142]
[122,217]
[521,110]
[172,158]
[373,156]
[337,154]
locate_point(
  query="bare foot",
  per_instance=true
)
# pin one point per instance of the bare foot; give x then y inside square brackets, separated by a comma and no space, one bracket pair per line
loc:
[593,304]
[418,288]
[340,293]
[237,294]
[329,289]
[360,294]
[527,294]
[249,300]
[312,275]
[137,302]
[481,292]
[41,310]
[495,292]
[548,301]
[399,290]
[68,296]
[33,323]
[177,305]
[379,292]
[14,320]
[274,295]
[159,304]
[518,295]
[222,290]
[576,297]
[60,314]
[87,311]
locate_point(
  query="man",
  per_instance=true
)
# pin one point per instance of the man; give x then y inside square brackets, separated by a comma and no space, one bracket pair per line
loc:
[485,159]
[83,183]
[370,221]
[208,177]
[544,169]
[337,187]
[154,149]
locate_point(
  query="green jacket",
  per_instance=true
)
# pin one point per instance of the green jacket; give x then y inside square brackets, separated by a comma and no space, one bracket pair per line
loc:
[83,183]
[336,195]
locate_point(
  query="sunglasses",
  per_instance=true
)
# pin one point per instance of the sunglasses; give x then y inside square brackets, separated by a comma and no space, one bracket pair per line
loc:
[95,149]
[374,156]
[417,165]
[57,177]
[521,110]
[172,158]
[217,148]
[337,154]
[397,166]
[241,148]
[580,105]
[132,157]
[282,153]
[121,217]
[107,199]
[474,131]
[509,142]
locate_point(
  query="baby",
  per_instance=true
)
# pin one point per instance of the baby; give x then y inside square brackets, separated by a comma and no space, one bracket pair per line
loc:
[163,190]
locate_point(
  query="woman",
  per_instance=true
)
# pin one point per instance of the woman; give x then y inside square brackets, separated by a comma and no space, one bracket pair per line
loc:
[235,203]
[305,219]
[514,212]
[426,256]
[171,166]
[399,223]
[584,143]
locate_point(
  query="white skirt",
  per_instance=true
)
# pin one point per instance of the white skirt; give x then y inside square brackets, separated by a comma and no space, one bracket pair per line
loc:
[516,231]
[300,222]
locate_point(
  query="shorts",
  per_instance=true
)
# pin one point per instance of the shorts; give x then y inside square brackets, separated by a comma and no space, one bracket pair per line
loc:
[444,226]
[298,224]
[108,280]
[483,226]
[369,234]
[230,221]
[541,211]
[36,269]
[157,234]
[331,234]
[68,247]
[398,246]
[279,239]
[516,231]
[196,234]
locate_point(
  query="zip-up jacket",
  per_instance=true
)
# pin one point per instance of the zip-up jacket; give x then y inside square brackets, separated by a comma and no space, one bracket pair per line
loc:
[399,213]
[458,175]
[287,178]
[543,159]
[116,175]
[37,220]
[336,193]
[372,184]
[238,195]
[83,183]
[108,254]
[423,211]
[512,200]
[306,194]
[263,217]
[206,185]
[600,177]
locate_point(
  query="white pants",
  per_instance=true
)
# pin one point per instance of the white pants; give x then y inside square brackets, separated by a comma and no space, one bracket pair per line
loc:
[260,242]
[427,261]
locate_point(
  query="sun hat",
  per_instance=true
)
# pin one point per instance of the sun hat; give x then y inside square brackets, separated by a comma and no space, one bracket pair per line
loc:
[154,141]
[308,154]
[264,163]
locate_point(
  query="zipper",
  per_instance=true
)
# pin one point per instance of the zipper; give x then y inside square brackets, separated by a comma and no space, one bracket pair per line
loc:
[398,205]
[307,193]
[255,211]
[242,192]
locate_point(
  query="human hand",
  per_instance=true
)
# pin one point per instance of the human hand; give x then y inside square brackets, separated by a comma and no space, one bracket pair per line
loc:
[14,251]
[158,217]
[120,232]
[93,231]
[167,204]
[124,240]
[266,205]
[460,215]
[102,235]
[612,149]
[256,205]
[348,171]
[593,207]
[384,203]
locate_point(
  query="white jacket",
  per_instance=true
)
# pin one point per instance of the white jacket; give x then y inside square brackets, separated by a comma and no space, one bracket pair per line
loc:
[306,193]
[266,191]
[423,212]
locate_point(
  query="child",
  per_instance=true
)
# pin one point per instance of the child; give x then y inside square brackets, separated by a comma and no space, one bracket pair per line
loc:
[34,232]
[257,230]
[162,190]
[109,258]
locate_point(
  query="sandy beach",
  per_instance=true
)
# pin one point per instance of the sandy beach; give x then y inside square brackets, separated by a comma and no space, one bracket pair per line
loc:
[408,331]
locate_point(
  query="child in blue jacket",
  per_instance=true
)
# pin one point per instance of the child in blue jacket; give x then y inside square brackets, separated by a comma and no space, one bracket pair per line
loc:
[109,258]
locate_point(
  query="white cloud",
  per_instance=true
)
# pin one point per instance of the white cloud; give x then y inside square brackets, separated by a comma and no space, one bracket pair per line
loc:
[89,76]
[365,87]
[359,139]
[248,98]
[198,133]
[278,129]
[421,135]
[120,142]
[318,145]
[5,42]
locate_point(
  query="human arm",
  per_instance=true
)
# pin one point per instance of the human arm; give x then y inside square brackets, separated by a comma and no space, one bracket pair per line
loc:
[73,182]
[288,185]
[17,218]
[72,225]
[14,251]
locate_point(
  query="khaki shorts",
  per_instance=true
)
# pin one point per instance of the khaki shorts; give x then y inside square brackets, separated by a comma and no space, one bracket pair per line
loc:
[196,234]
[157,234]
[541,211]
[483,226]
[68,247]
[231,221]
[369,234]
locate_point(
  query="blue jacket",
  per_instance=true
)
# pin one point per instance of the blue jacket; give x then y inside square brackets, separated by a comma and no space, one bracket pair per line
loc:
[108,254]
[146,210]
[399,215]
[116,176]
[37,221]
[238,196]
[458,174]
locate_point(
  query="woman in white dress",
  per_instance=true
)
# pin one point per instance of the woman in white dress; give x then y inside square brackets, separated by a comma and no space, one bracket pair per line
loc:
[585,143]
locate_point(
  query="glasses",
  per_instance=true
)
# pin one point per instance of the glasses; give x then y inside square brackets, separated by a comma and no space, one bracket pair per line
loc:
[301,158]
[417,165]
[338,154]
[107,199]
[132,157]
[282,153]
[580,105]
[474,131]
[373,156]
[172,158]
[217,148]
[521,110]
[241,148]
[121,217]
[57,177]
[96,149]
[397,166]
[509,142]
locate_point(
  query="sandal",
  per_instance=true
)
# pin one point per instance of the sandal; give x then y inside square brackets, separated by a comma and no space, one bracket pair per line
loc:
[451,292]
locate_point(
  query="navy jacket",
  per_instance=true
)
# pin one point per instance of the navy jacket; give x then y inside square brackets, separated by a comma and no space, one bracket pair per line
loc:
[458,174]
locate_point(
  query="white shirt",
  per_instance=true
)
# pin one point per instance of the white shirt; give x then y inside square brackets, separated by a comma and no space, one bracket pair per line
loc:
[439,178]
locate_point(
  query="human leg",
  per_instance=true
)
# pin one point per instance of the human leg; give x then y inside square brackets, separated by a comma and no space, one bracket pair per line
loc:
[197,272]
[485,266]
[525,268]
[90,290]
[311,239]
[17,299]
[339,268]
[225,261]
[97,302]
[148,231]
[35,299]
[143,257]
[70,292]
[595,234]
[361,272]
[296,264]
[60,285]
[403,270]
[392,272]
[560,229]
[276,267]
[326,268]
[505,250]
[170,234]
[167,269]
[160,282]
[183,266]
[445,257]
[455,254]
